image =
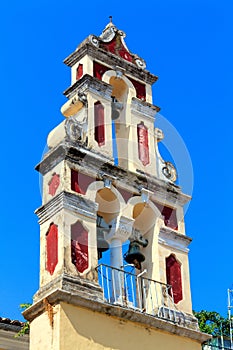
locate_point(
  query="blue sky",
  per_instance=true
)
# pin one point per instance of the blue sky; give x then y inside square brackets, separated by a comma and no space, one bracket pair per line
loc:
[188,44]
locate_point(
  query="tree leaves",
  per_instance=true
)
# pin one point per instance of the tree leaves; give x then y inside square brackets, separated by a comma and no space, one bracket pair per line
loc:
[213,323]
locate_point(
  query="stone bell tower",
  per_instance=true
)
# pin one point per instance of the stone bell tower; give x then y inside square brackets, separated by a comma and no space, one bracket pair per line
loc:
[105,185]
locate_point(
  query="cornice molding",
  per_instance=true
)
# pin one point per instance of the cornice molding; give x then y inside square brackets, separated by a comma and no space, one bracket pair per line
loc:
[91,84]
[92,302]
[65,200]
[144,109]
[111,60]
[94,163]
[174,239]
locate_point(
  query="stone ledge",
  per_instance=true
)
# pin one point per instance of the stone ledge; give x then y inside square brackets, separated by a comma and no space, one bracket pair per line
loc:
[66,200]
[72,284]
[173,238]
[89,83]
[60,295]
[93,162]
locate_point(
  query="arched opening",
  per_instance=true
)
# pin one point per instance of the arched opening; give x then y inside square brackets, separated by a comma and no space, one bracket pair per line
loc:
[109,205]
[108,211]
[144,217]
[120,89]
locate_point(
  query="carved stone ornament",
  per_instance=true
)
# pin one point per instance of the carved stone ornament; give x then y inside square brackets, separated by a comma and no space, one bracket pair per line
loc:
[108,34]
[170,171]
[140,63]
[94,40]
[76,130]
[159,135]
[122,230]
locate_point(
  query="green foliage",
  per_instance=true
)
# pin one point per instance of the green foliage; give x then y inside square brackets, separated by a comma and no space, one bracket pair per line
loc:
[212,322]
[25,329]
[24,306]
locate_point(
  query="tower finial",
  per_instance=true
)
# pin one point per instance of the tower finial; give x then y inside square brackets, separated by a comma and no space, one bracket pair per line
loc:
[110,17]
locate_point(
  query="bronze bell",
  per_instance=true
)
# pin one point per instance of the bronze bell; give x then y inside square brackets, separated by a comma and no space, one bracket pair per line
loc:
[102,244]
[134,255]
[116,108]
[102,227]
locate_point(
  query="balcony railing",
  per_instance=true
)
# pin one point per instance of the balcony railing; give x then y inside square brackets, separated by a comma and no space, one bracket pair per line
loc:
[219,343]
[137,292]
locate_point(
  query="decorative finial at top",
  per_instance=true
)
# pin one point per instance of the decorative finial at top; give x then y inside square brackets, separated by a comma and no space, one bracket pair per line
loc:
[110,18]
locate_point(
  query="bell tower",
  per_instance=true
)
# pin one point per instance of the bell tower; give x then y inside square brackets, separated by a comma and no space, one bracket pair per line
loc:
[105,185]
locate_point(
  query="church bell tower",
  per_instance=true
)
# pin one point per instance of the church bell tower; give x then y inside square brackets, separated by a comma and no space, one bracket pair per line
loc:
[106,187]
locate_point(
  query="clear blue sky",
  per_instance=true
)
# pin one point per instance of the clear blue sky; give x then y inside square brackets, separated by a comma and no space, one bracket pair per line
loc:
[188,44]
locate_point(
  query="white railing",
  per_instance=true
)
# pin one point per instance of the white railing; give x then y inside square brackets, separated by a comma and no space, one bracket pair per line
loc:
[136,292]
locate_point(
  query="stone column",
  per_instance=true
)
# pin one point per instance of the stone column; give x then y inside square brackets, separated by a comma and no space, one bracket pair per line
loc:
[115,238]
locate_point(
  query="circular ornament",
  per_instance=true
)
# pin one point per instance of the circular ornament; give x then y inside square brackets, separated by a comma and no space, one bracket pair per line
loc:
[94,41]
[170,171]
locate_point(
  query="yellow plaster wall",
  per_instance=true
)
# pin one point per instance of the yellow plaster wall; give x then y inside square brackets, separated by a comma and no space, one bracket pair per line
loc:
[42,335]
[85,329]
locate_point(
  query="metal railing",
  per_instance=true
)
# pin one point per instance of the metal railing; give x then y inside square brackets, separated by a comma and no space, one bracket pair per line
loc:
[220,343]
[136,292]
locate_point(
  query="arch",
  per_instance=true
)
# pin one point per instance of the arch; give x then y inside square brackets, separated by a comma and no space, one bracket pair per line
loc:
[109,205]
[144,213]
[112,74]
[120,89]
[95,186]
[174,277]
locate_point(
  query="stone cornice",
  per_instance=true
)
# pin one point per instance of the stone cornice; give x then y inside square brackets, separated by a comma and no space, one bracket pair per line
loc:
[144,109]
[90,302]
[66,200]
[94,163]
[174,239]
[111,60]
[89,83]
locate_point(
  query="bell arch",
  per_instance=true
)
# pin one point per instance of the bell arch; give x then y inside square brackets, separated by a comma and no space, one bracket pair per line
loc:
[143,213]
[96,186]
[109,204]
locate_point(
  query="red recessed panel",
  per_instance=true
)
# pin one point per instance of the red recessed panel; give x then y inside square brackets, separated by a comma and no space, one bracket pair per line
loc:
[80,182]
[99,70]
[79,246]
[99,123]
[140,89]
[173,272]
[54,184]
[143,146]
[79,71]
[117,48]
[52,248]
[169,214]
